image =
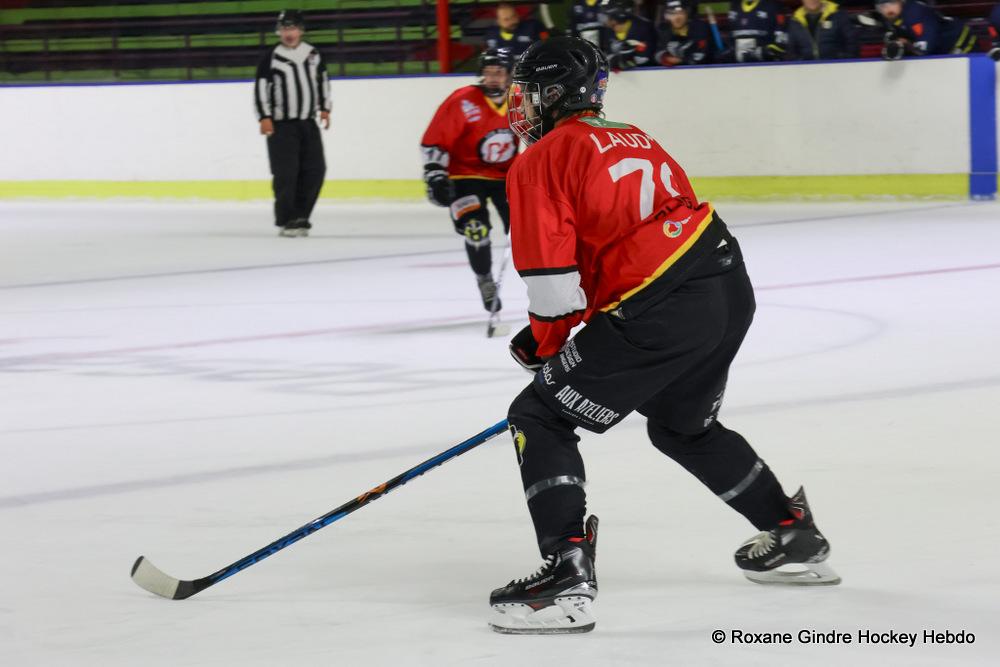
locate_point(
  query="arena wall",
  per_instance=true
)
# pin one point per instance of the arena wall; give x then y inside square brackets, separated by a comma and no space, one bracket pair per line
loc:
[843,130]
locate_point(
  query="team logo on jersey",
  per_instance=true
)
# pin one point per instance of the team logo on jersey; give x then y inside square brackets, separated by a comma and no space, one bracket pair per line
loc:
[498,146]
[672,229]
[473,114]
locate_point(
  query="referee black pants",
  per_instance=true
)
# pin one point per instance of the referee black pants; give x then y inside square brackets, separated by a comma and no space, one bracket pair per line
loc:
[298,167]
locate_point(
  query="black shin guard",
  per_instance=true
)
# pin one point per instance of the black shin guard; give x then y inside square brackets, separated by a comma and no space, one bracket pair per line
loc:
[557,515]
[726,463]
[551,470]
[480,258]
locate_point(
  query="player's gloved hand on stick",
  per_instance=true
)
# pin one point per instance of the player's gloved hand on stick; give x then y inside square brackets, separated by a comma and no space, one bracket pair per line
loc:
[440,189]
[524,349]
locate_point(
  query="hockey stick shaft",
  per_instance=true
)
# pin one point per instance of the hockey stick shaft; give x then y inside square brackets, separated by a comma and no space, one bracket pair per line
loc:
[150,578]
[715,29]
[494,309]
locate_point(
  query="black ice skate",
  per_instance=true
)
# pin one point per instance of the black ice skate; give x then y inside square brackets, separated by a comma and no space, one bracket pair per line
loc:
[792,553]
[557,598]
[298,227]
[488,291]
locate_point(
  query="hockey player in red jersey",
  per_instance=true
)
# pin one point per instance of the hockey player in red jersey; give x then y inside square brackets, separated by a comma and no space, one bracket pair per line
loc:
[467,150]
[607,230]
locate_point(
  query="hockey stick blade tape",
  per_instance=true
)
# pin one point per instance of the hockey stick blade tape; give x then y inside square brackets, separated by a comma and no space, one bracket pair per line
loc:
[152,579]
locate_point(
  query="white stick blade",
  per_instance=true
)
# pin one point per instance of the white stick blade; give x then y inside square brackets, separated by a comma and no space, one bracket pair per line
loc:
[154,580]
[498,331]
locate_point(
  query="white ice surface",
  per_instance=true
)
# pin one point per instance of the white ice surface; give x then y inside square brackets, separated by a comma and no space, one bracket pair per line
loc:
[177,381]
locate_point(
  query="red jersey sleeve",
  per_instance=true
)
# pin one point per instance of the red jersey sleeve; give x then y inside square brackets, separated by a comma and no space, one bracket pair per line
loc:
[444,130]
[543,241]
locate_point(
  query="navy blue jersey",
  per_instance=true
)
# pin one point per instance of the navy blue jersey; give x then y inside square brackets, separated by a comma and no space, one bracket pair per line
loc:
[758,30]
[826,35]
[634,46]
[930,33]
[525,34]
[585,21]
[692,44]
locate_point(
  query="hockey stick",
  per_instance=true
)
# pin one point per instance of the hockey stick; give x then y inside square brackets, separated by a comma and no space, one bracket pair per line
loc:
[493,327]
[152,579]
[715,29]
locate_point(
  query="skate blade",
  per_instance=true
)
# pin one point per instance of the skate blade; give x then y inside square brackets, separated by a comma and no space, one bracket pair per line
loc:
[569,615]
[287,233]
[798,574]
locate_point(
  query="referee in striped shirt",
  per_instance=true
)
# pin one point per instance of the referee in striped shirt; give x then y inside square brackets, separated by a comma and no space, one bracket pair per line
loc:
[291,87]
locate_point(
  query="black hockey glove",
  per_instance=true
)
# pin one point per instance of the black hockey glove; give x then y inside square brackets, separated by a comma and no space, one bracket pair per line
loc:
[995,53]
[893,49]
[524,349]
[440,189]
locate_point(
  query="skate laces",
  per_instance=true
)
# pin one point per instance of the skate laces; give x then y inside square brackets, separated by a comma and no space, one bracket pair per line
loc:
[760,544]
[549,561]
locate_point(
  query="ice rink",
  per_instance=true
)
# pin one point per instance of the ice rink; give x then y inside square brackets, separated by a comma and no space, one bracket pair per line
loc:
[179,382]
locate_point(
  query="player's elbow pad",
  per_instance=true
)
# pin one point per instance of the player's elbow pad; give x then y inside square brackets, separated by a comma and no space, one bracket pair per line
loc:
[434,159]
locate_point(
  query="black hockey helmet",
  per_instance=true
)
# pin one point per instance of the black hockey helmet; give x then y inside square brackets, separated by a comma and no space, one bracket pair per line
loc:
[553,79]
[497,57]
[290,18]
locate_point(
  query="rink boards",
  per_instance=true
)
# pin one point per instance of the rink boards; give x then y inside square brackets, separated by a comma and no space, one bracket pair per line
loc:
[853,129]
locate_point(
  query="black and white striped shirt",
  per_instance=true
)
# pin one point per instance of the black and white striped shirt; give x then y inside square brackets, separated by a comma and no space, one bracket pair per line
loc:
[291,84]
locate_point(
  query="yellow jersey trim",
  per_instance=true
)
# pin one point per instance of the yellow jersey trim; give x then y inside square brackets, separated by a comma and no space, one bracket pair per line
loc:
[500,109]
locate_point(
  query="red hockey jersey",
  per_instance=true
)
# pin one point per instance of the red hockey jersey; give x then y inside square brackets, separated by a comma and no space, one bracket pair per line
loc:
[470,136]
[598,212]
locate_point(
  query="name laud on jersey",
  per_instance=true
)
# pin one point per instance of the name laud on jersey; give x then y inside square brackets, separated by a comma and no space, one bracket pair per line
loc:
[628,139]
